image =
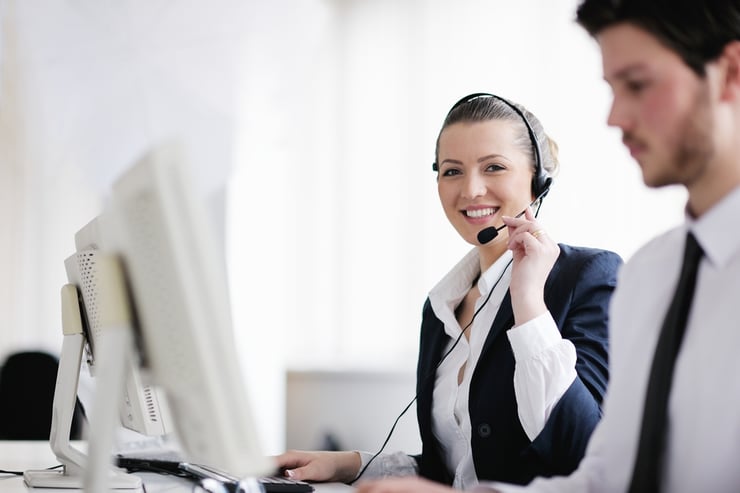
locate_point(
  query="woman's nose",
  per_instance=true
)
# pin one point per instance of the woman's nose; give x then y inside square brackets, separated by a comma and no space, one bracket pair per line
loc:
[474,186]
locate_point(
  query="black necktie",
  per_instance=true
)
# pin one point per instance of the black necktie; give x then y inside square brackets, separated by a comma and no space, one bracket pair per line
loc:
[646,475]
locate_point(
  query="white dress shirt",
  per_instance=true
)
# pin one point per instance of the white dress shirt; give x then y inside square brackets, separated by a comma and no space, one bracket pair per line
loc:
[703,442]
[545,368]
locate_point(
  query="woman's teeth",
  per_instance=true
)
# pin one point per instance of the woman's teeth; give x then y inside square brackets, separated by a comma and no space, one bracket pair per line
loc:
[480,212]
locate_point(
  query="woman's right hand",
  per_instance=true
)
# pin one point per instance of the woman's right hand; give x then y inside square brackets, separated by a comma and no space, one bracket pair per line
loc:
[319,466]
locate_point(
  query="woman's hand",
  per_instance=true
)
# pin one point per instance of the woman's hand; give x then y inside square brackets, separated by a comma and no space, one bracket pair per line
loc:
[403,485]
[320,466]
[534,255]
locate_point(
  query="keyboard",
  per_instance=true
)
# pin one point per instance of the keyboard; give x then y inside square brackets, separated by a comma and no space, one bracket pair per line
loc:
[281,484]
[271,484]
[170,465]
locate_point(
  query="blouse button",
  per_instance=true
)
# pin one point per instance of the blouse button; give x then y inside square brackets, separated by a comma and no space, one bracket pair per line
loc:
[484,430]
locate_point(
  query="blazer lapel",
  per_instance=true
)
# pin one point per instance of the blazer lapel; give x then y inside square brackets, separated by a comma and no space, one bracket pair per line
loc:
[504,321]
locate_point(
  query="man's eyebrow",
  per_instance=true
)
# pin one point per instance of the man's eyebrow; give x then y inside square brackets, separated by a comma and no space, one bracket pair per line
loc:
[625,72]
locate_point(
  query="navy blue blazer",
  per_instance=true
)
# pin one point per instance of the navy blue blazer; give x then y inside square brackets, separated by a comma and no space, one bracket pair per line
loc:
[577,294]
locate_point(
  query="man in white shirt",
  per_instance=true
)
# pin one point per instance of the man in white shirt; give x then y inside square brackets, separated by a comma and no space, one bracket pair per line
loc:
[674,68]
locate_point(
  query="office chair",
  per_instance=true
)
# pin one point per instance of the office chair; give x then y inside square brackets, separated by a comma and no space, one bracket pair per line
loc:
[27,381]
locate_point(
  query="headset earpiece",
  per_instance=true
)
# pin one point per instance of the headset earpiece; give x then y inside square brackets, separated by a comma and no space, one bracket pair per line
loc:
[541,184]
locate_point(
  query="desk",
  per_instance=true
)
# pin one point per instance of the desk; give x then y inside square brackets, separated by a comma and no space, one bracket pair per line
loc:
[20,456]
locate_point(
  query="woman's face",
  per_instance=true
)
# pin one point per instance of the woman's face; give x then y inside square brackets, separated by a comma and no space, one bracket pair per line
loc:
[483,175]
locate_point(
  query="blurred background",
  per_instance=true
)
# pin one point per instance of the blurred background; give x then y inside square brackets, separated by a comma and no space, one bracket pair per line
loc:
[310,128]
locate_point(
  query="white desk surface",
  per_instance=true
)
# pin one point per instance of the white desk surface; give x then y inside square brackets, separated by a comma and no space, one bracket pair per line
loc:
[21,455]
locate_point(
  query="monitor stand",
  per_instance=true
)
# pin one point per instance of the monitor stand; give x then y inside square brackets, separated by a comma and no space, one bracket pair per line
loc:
[79,469]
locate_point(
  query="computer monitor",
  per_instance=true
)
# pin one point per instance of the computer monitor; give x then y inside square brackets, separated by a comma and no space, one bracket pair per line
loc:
[153,281]
[142,408]
[178,294]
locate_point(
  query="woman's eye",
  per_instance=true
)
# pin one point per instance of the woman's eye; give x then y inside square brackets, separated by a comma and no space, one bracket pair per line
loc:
[494,167]
[451,172]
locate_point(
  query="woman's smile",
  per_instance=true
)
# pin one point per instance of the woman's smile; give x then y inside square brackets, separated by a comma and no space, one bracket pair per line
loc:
[479,215]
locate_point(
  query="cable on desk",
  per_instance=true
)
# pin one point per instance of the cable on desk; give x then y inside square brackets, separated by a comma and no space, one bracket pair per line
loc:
[20,473]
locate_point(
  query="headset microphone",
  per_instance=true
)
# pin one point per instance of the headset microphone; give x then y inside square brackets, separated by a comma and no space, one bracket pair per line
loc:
[486,235]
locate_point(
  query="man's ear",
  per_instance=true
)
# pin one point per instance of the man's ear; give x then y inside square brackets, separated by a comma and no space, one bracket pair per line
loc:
[730,64]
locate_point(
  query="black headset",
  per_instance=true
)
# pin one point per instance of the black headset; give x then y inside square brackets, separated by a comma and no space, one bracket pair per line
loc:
[541,180]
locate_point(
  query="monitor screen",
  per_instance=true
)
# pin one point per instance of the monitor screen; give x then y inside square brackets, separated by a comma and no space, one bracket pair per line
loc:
[179,298]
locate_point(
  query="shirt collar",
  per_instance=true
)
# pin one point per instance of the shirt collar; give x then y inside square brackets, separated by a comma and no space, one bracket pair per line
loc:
[491,276]
[452,288]
[716,230]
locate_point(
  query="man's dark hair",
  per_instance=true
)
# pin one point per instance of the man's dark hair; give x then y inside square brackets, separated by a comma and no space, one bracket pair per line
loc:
[697,30]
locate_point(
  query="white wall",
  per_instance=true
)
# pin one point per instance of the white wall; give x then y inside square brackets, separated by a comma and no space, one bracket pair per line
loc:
[87,86]
[319,118]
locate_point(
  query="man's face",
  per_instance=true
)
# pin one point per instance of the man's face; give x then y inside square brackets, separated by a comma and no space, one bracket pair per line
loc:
[659,103]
